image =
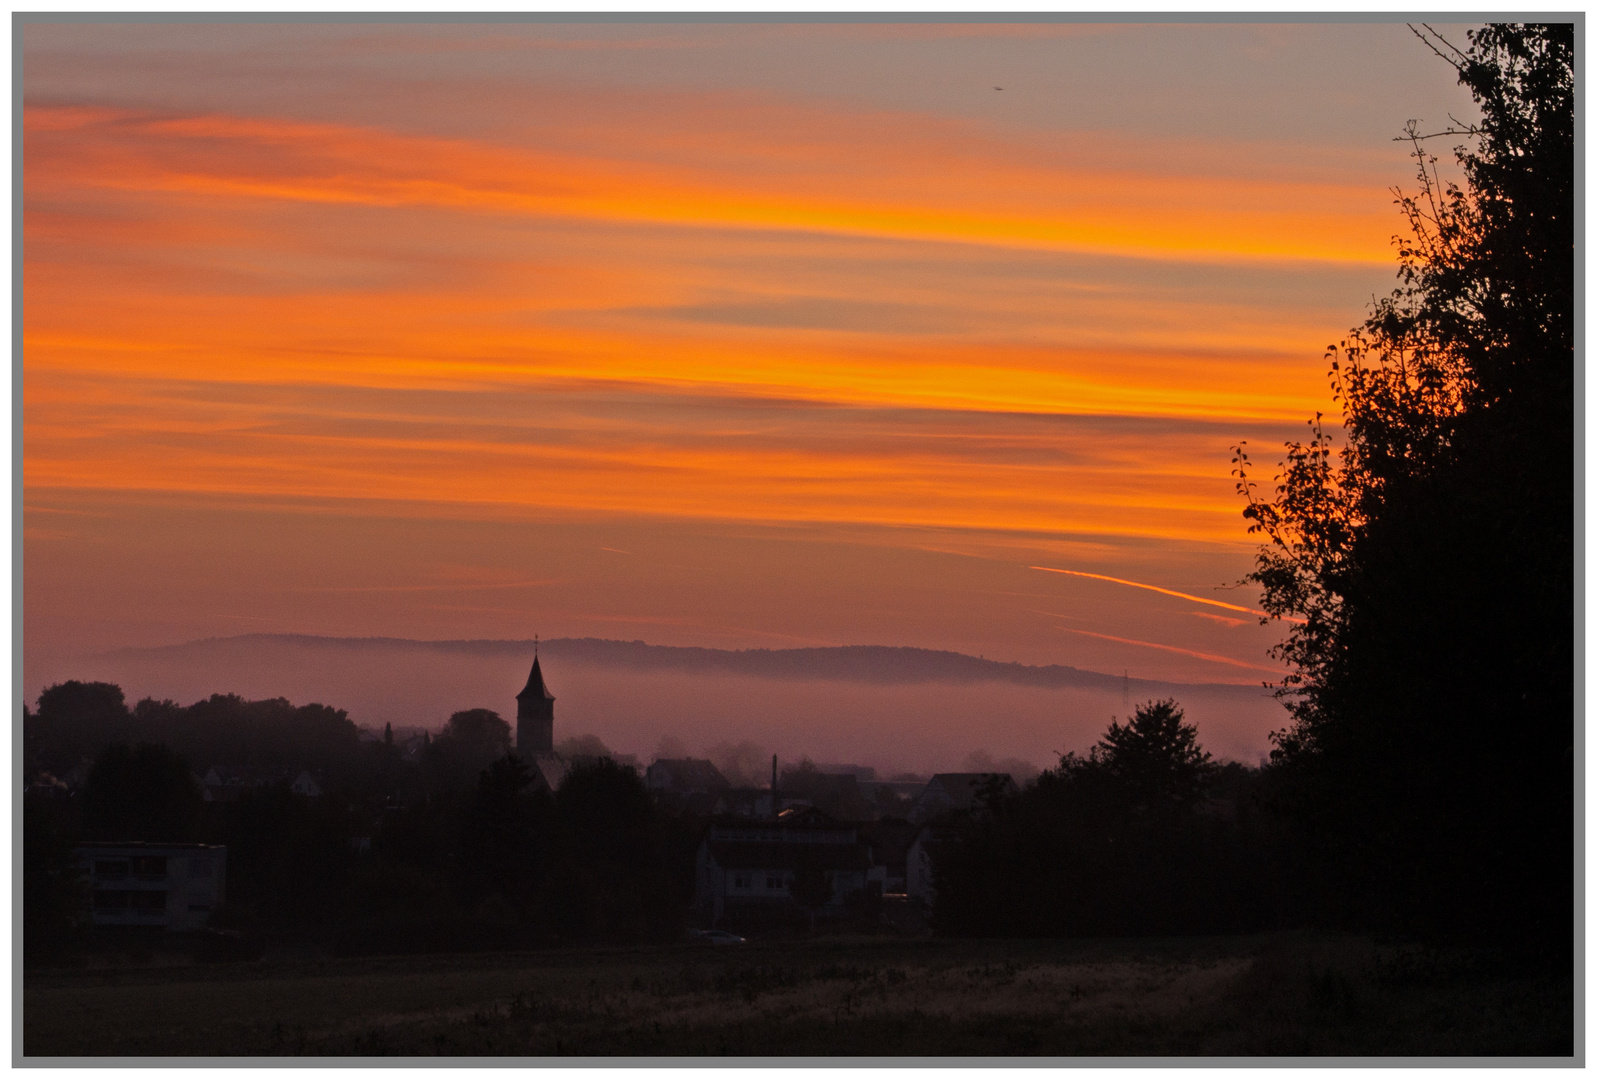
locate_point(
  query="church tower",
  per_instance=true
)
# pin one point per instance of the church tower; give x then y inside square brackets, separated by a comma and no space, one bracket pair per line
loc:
[535,716]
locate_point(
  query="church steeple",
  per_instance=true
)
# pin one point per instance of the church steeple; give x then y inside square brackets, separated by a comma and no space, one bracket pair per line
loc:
[535,690]
[535,715]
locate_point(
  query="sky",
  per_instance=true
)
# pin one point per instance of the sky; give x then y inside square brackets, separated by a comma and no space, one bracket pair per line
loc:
[738,335]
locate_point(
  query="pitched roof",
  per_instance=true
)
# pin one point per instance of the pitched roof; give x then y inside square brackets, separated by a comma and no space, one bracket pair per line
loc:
[551,768]
[535,688]
[961,787]
[955,791]
[686,774]
[808,817]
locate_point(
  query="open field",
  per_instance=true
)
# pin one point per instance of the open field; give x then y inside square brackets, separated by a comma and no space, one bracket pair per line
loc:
[1273,994]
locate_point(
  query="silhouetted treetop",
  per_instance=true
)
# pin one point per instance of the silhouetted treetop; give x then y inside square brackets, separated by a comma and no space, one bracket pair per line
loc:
[1155,755]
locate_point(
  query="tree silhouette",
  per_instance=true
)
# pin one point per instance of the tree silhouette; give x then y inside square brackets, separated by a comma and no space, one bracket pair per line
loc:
[1117,843]
[1155,757]
[469,741]
[141,793]
[505,834]
[75,719]
[1431,559]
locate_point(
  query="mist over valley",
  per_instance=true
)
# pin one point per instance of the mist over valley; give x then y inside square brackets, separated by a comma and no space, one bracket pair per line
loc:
[896,709]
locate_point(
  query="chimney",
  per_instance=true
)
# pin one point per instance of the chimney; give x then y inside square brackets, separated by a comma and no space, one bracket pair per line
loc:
[776,801]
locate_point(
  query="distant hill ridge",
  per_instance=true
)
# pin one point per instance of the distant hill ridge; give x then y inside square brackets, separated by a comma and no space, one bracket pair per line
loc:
[880,664]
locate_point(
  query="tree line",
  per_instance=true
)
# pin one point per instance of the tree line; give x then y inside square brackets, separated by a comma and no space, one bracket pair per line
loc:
[454,847]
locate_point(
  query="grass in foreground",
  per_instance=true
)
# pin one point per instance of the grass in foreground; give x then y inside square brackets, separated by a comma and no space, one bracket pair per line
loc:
[1271,995]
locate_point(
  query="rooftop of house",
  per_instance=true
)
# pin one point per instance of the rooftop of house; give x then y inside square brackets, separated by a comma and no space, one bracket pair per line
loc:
[689,773]
[961,789]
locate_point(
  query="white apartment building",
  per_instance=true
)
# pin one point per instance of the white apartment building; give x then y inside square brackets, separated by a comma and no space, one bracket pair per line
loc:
[173,886]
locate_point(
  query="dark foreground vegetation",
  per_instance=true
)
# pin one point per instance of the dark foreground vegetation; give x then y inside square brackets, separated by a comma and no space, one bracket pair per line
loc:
[1268,995]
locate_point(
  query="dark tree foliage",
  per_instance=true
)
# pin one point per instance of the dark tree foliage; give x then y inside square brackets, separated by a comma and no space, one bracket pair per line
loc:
[612,880]
[54,890]
[288,858]
[75,721]
[469,742]
[1143,836]
[608,810]
[268,735]
[1154,757]
[1430,561]
[145,792]
[508,836]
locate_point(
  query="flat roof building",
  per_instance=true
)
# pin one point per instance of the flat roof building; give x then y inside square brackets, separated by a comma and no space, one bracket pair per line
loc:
[170,886]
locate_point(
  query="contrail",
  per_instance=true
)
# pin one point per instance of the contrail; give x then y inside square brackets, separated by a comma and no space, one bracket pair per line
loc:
[1171,648]
[1155,588]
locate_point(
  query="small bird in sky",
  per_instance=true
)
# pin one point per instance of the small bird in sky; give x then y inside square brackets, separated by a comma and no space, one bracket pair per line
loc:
[998,88]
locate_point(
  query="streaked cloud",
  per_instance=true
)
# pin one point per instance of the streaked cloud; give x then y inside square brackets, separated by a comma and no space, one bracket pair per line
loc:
[718,278]
[881,176]
[1212,657]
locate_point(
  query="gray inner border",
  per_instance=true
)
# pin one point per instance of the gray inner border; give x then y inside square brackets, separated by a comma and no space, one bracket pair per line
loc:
[1578,18]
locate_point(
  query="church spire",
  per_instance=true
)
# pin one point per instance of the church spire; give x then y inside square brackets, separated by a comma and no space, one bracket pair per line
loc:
[535,714]
[535,690]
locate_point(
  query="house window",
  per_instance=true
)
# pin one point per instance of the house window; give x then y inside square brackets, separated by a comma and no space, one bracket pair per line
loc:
[147,901]
[741,881]
[149,866]
[110,868]
[773,881]
[110,899]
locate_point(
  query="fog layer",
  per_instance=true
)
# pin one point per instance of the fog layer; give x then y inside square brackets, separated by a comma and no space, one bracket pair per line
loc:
[896,709]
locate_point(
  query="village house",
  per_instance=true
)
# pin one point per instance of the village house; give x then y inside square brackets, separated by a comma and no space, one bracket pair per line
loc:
[921,859]
[949,799]
[222,783]
[685,776]
[956,791]
[748,866]
[688,785]
[889,840]
[167,886]
[892,798]
[756,802]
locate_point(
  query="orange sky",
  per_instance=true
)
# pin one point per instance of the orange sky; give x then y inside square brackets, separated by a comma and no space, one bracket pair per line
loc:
[689,288]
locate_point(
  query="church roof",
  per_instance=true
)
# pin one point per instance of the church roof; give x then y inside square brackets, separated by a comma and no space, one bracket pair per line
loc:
[551,769]
[535,688]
